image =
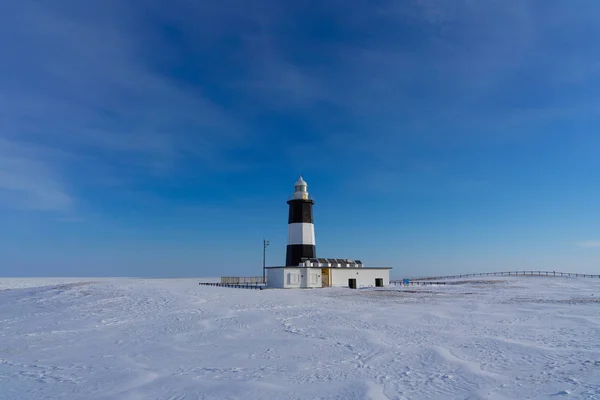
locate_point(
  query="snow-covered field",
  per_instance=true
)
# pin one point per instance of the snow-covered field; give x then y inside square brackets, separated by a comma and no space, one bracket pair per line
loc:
[516,338]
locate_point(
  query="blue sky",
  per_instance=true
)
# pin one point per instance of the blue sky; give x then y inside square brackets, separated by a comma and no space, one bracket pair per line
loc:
[155,138]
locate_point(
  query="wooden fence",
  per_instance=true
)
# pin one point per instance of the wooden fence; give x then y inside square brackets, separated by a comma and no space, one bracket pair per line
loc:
[256,282]
[416,283]
[507,273]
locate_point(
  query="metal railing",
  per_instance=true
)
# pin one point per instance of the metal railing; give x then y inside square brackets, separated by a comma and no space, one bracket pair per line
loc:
[309,198]
[257,286]
[240,280]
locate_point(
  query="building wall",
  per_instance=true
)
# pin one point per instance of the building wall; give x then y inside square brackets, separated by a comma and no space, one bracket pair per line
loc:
[294,278]
[284,278]
[275,278]
[290,278]
[364,277]
[311,277]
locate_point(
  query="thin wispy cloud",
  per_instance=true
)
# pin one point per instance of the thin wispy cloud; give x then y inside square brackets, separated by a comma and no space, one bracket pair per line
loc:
[82,81]
[28,182]
[140,117]
[589,243]
[443,73]
[139,89]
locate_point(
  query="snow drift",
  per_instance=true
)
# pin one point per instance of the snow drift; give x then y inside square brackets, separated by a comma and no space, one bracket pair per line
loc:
[511,338]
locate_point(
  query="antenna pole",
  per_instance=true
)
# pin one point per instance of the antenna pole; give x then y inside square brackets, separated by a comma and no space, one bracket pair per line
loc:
[265,245]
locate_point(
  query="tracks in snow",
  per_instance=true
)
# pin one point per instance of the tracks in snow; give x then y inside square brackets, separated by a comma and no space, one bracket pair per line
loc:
[170,339]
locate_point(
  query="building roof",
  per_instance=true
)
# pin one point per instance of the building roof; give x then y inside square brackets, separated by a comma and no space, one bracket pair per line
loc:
[300,182]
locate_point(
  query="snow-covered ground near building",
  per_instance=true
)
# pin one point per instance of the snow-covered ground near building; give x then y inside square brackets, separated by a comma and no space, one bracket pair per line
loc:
[502,338]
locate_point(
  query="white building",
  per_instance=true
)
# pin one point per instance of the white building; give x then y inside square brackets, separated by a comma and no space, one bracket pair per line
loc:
[317,277]
[303,269]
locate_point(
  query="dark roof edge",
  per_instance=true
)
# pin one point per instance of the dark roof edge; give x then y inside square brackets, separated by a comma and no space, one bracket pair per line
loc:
[291,266]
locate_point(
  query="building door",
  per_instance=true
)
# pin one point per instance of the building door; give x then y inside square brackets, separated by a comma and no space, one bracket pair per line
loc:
[325,280]
[352,283]
[379,282]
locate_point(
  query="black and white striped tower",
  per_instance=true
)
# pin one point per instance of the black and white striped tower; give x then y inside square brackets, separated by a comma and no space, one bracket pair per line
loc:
[301,228]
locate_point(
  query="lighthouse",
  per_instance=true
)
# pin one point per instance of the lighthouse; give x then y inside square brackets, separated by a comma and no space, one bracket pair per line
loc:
[302,269]
[301,228]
